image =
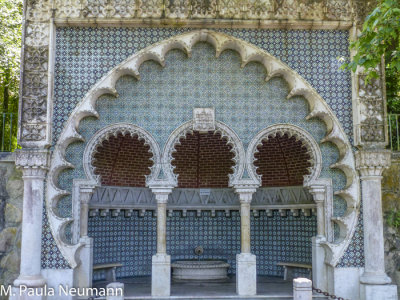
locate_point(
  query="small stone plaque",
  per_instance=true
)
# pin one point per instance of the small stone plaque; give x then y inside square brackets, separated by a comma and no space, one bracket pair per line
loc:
[204,119]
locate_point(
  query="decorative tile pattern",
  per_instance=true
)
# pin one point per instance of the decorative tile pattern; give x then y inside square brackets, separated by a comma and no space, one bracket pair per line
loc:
[354,255]
[164,98]
[132,241]
[84,55]
[51,256]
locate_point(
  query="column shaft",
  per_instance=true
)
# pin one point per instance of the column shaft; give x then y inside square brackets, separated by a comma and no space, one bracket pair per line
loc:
[373,226]
[161,228]
[32,223]
[245,227]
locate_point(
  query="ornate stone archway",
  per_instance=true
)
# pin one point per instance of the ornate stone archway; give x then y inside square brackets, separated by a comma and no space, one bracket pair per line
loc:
[248,53]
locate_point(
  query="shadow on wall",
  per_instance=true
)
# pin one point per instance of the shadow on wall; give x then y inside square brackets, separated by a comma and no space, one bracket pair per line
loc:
[391,207]
[11,195]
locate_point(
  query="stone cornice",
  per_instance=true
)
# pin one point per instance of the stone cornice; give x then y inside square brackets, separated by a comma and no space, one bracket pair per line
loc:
[118,12]
[371,163]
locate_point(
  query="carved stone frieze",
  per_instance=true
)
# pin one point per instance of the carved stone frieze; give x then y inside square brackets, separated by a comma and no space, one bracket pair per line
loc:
[177,9]
[38,10]
[339,10]
[151,9]
[109,8]
[260,9]
[204,8]
[287,9]
[312,11]
[68,8]
[230,9]
[315,10]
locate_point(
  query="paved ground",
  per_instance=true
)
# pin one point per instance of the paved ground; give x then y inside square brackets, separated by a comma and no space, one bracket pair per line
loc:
[267,288]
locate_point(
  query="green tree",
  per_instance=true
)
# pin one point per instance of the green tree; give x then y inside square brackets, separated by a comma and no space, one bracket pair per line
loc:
[380,36]
[10,49]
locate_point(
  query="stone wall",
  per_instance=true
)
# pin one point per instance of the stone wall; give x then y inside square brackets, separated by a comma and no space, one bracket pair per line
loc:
[11,194]
[391,202]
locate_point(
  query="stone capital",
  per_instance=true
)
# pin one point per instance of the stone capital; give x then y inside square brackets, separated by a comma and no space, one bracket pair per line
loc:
[161,193]
[318,191]
[33,162]
[371,163]
[245,193]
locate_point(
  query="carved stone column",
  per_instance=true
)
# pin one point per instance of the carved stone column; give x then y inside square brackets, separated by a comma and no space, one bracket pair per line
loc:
[34,165]
[319,270]
[371,164]
[83,275]
[246,271]
[161,262]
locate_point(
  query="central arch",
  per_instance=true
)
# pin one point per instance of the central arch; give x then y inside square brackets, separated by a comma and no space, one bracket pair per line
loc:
[243,172]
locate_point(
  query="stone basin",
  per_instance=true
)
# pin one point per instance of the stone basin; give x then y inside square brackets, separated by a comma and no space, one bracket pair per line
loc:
[200,270]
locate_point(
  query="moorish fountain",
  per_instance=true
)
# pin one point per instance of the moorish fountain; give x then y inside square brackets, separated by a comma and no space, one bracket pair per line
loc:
[200,270]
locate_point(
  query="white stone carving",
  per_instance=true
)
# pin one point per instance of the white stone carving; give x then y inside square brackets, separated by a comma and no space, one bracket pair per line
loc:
[248,53]
[37,34]
[38,10]
[204,119]
[68,8]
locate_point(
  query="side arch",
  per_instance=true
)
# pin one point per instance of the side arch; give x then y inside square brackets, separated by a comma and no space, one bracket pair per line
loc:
[114,130]
[292,131]
[248,53]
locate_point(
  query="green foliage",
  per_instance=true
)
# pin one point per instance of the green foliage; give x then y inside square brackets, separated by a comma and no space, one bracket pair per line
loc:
[393,219]
[380,37]
[10,49]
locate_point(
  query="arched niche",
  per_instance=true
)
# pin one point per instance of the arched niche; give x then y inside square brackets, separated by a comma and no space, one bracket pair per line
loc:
[243,173]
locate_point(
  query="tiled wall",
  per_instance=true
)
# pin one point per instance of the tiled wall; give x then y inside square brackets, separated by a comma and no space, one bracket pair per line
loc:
[156,102]
[132,241]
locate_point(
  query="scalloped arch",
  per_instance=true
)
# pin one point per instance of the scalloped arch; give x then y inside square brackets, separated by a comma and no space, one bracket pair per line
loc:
[291,130]
[112,130]
[224,130]
[248,53]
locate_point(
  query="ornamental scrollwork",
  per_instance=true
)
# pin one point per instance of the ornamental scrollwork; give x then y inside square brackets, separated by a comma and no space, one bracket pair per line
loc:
[109,8]
[34,94]
[260,9]
[38,10]
[372,110]
[204,8]
[177,9]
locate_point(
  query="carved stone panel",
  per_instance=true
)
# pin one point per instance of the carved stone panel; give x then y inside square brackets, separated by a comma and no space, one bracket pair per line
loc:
[230,9]
[109,8]
[34,94]
[177,9]
[260,9]
[204,8]
[204,119]
[371,126]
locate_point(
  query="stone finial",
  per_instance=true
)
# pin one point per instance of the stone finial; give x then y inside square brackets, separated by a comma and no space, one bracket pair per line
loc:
[372,162]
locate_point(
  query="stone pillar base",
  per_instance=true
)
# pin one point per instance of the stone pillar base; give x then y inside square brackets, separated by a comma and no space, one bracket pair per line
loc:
[246,274]
[28,293]
[381,292]
[302,289]
[161,275]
